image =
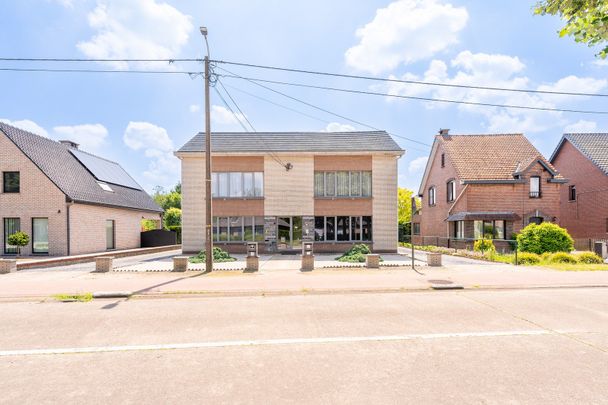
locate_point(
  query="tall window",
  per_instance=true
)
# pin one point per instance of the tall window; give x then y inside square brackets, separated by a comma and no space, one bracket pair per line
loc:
[443,160]
[40,235]
[535,187]
[432,195]
[11,225]
[237,184]
[489,229]
[572,193]
[416,230]
[459,229]
[10,182]
[110,234]
[238,229]
[343,184]
[451,190]
[343,229]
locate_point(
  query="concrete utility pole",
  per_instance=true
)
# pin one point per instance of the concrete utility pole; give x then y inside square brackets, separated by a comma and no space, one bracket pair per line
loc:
[208,213]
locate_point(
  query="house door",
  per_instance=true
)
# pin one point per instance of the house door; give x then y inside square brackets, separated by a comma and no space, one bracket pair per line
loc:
[289,233]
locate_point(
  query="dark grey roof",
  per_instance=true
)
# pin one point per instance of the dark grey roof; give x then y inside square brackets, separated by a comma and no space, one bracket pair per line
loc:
[259,142]
[70,176]
[593,145]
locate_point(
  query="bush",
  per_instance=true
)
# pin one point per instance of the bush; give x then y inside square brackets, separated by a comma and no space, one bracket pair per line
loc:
[546,237]
[219,256]
[148,225]
[355,254]
[562,257]
[484,245]
[528,259]
[18,239]
[589,258]
[173,217]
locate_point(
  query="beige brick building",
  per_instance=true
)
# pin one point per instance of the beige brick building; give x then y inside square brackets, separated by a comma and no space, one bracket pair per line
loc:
[281,189]
[68,201]
[484,185]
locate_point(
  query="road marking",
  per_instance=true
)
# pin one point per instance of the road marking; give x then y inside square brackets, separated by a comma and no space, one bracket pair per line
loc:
[273,342]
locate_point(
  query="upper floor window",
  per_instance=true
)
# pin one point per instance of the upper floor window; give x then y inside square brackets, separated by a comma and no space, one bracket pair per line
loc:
[572,193]
[443,160]
[343,184]
[451,190]
[535,187]
[10,182]
[432,195]
[237,184]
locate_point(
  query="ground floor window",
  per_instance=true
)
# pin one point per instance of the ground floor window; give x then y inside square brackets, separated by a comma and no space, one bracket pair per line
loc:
[40,235]
[459,229]
[11,225]
[416,229]
[110,234]
[494,229]
[343,229]
[238,229]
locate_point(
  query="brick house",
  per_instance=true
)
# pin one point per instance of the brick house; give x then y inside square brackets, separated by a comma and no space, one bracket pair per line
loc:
[280,189]
[583,159]
[68,201]
[476,185]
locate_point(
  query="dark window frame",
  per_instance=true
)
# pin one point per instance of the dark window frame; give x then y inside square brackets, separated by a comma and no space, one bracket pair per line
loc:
[5,235]
[253,223]
[536,194]
[5,183]
[572,193]
[451,190]
[362,222]
[34,236]
[443,160]
[432,201]
[113,234]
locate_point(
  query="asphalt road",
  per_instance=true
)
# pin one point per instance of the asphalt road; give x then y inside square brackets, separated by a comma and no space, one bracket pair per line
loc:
[518,346]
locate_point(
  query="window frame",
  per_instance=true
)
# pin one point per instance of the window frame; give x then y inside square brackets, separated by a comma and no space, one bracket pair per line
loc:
[4,182]
[537,193]
[219,178]
[5,245]
[113,234]
[451,190]
[355,228]
[432,196]
[572,192]
[34,219]
[354,181]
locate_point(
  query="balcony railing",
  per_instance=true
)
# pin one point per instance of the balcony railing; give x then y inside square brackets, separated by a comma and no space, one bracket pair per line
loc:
[535,194]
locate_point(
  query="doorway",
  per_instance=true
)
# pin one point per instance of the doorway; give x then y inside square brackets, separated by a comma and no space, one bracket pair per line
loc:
[289,233]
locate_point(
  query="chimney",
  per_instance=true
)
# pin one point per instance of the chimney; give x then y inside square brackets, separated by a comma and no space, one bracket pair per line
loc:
[69,144]
[444,132]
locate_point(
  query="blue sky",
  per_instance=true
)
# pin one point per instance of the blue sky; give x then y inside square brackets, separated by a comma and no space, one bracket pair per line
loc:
[138,120]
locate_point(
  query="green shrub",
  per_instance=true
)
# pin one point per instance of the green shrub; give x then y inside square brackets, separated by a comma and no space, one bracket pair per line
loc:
[589,258]
[528,259]
[562,257]
[546,237]
[484,245]
[173,217]
[18,239]
[355,254]
[219,256]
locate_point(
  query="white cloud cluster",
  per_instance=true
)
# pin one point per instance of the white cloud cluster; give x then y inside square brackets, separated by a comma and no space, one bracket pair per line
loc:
[141,29]
[581,126]
[155,143]
[496,70]
[337,127]
[194,108]
[27,125]
[404,32]
[417,165]
[90,137]
[224,117]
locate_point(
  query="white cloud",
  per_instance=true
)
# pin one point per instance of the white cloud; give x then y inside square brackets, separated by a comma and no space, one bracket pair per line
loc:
[222,116]
[27,125]
[143,29]
[90,137]
[195,108]
[154,141]
[337,127]
[496,70]
[417,165]
[581,126]
[404,32]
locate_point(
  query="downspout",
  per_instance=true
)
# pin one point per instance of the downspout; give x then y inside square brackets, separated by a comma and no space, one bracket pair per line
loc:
[67,206]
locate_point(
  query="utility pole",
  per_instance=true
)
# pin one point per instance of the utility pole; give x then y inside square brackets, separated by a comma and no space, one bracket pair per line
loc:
[414,209]
[208,213]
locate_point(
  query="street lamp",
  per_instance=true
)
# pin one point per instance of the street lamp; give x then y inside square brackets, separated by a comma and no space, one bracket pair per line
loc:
[208,214]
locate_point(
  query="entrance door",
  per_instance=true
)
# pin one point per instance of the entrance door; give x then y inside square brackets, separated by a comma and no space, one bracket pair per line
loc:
[289,233]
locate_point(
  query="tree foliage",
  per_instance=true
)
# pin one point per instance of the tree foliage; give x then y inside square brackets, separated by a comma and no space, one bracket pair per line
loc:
[404,202]
[546,237]
[173,217]
[19,239]
[586,20]
[168,199]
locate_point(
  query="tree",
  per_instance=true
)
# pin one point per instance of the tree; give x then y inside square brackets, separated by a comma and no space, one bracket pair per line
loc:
[586,20]
[168,199]
[404,203]
[173,217]
[19,239]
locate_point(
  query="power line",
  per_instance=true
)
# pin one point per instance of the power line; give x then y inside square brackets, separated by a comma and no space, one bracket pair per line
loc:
[236,117]
[323,109]
[44,70]
[425,83]
[236,105]
[430,99]
[96,60]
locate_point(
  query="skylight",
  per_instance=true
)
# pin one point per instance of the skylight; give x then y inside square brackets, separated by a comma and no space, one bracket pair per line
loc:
[105,187]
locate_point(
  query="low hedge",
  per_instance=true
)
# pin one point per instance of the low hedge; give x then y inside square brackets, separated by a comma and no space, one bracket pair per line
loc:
[528,259]
[219,256]
[562,257]
[355,254]
[588,258]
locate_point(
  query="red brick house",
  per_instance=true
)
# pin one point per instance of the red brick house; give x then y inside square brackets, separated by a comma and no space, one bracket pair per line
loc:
[476,185]
[583,159]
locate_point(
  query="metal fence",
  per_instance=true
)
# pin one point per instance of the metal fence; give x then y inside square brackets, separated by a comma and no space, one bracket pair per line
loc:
[587,244]
[502,245]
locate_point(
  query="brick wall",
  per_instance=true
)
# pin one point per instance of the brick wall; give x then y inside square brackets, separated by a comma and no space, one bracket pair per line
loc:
[193,203]
[586,217]
[384,193]
[289,193]
[38,198]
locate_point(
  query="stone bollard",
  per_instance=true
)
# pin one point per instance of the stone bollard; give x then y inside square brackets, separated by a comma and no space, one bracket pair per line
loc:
[372,261]
[433,259]
[8,266]
[103,264]
[180,263]
[253,263]
[308,263]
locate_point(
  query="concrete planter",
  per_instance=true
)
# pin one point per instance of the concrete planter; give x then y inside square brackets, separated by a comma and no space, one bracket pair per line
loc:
[372,261]
[8,266]
[180,263]
[103,264]
[433,259]
[253,263]
[308,263]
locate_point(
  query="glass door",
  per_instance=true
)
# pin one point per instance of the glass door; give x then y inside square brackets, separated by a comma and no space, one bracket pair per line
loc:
[284,233]
[11,225]
[296,232]
[110,235]
[40,235]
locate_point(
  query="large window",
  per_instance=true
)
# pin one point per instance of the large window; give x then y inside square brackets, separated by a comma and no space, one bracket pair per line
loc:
[451,192]
[11,225]
[535,187]
[110,234]
[343,229]
[10,182]
[416,229]
[237,184]
[432,196]
[459,229]
[238,229]
[343,184]
[572,193]
[40,235]
[489,229]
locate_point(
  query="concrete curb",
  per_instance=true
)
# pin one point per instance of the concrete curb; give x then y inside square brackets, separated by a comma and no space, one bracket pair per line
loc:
[112,294]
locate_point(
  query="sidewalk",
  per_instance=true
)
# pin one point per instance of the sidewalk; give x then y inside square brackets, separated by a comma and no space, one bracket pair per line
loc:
[475,275]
